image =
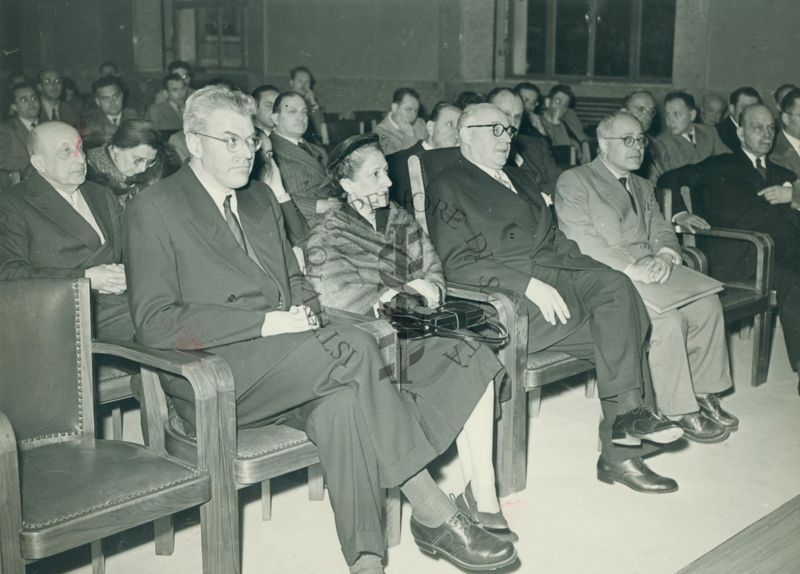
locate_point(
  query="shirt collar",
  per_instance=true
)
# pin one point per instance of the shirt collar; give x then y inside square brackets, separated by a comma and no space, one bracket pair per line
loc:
[426,146]
[391,121]
[117,117]
[689,134]
[615,172]
[793,141]
[295,141]
[27,123]
[753,157]
[217,191]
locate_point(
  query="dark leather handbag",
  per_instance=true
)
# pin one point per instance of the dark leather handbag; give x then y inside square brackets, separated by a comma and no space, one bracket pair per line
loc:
[453,319]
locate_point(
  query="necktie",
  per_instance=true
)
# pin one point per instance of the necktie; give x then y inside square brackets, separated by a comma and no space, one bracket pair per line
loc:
[502,178]
[306,148]
[761,168]
[54,113]
[114,121]
[624,182]
[233,223]
[690,136]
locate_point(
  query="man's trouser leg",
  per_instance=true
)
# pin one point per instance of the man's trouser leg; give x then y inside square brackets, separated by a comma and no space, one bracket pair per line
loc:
[787,284]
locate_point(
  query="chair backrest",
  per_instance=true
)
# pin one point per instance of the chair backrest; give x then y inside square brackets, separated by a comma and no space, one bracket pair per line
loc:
[45,358]
[422,169]
[368,119]
[339,130]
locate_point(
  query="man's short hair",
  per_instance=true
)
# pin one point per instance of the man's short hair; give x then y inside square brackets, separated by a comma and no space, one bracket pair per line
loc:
[171,78]
[276,105]
[492,96]
[439,107]
[177,64]
[211,98]
[685,97]
[562,89]
[790,100]
[297,69]
[105,82]
[782,88]
[104,64]
[401,93]
[607,123]
[527,86]
[468,98]
[262,89]
[743,91]
[626,102]
[20,86]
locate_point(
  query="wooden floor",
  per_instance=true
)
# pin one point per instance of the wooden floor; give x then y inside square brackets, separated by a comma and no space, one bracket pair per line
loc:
[770,545]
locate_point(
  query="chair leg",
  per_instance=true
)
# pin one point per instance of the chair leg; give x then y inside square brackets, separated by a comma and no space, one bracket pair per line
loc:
[266,500]
[534,402]
[98,559]
[164,536]
[512,444]
[762,346]
[316,482]
[116,422]
[591,384]
[394,516]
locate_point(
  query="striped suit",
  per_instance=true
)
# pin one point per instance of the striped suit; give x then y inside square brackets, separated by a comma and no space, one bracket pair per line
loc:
[303,174]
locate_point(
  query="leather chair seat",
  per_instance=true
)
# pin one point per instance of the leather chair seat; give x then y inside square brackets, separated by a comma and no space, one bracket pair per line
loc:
[95,482]
[545,367]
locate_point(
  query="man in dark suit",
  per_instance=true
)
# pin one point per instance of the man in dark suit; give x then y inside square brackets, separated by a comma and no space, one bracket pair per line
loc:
[787,143]
[739,99]
[168,115]
[210,267]
[491,227]
[15,135]
[100,124]
[745,190]
[531,153]
[442,132]
[302,163]
[56,224]
[50,86]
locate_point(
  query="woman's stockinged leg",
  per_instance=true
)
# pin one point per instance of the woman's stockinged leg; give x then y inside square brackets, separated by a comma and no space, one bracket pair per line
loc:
[475,444]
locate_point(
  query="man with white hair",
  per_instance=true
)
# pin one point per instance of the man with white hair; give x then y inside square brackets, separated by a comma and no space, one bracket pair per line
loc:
[491,228]
[210,267]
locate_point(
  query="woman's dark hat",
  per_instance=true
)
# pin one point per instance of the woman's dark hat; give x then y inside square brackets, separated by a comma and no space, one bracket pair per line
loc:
[344,149]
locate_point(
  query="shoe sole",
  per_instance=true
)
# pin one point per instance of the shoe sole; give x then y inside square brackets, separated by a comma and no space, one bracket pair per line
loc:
[435,552]
[609,479]
[708,440]
[732,428]
[665,436]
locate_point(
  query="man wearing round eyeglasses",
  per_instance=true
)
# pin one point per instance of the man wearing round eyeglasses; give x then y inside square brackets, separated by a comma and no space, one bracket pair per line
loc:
[613,216]
[99,125]
[492,228]
[52,108]
[15,134]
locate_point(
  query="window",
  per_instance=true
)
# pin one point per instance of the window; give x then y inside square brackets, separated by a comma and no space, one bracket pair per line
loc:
[211,34]
[599,39]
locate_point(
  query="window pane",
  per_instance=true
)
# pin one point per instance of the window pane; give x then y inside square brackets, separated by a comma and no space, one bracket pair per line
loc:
[537,36]
[658,35]
[613,44]
[572,36]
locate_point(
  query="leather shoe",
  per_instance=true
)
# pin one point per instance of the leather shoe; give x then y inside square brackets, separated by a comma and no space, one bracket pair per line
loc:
[494,523]
[700,428]
[631,428]
[464,543]
[635,474]
[710,407]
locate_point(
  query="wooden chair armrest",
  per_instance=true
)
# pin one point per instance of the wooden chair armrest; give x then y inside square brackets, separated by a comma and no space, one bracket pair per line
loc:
[10,500]
[694,259]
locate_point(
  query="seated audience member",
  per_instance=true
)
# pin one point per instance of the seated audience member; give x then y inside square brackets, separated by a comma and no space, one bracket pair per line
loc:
[713,110]
[184,71]
[728,129]
[302,164]
[560,122]
[302,81]
[56,224]
[15,135]
[745,190]
[442,132]
[108,69]
[613,216]
[99,124]
[265,96]
[778,95]
[267,172]
[50,86]
[134,159]
[467,98]
[786,152]
[641,105]
[168,115]
[532,154]
[73,95]
[402,127]
[491,228]
[363,255]
[684,141]
[531,122]
[211,268]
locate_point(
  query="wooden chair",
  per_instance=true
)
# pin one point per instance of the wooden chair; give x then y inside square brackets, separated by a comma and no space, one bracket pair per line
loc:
[339,130]
[741,301]
[528,373]
[244,457]
[60,487]
[367,120]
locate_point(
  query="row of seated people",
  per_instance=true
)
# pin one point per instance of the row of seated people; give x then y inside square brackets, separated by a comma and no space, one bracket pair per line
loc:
[208,265]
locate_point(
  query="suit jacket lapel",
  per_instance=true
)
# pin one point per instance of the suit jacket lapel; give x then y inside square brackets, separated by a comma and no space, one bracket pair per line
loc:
[618,196]
[21,131]
[287,148]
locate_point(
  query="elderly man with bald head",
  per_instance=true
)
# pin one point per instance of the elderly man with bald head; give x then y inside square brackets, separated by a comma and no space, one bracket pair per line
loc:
[56,224]
[613,216]
[492,228]
[746,190]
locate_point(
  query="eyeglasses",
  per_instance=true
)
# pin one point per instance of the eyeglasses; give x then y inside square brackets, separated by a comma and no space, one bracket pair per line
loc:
[111,97]
[49,81]
[143,162]
[234,142]
[498,129]
[26,99]
[632,141]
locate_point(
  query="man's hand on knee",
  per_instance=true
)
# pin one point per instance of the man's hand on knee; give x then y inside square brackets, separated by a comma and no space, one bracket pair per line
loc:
[297,319]
[548,300]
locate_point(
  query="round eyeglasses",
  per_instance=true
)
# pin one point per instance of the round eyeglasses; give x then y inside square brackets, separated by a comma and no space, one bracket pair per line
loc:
[234,142]
[498,129]
[632,141]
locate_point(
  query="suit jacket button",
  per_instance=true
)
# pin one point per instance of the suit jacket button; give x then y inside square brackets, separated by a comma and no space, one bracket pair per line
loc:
[231,298]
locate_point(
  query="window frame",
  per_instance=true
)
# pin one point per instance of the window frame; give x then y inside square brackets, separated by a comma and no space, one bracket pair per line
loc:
[200,38]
